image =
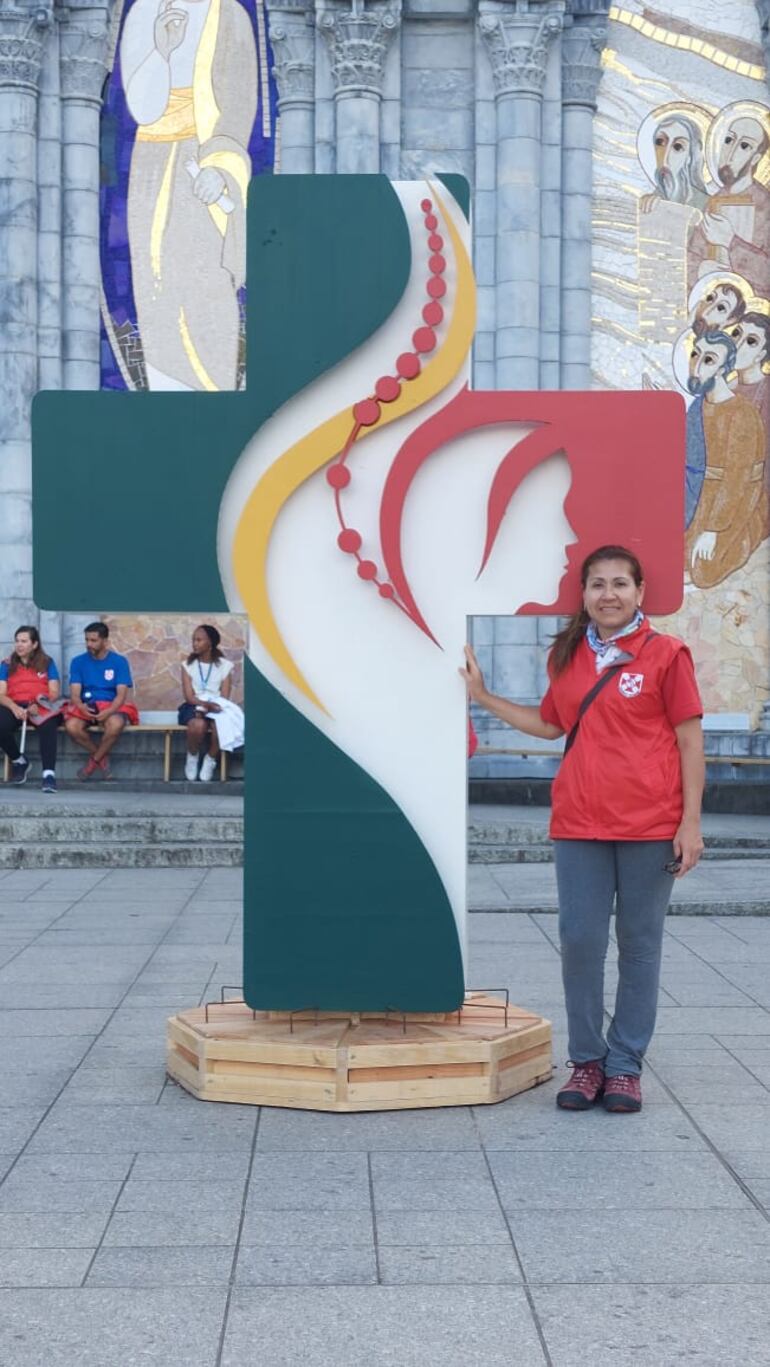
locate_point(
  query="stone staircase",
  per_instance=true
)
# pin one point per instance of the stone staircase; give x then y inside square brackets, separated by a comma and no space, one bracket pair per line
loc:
[178,825]
[499,842]
[119,829]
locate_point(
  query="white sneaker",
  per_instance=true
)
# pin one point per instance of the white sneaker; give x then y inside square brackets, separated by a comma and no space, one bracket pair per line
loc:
[191,768]
[207,769]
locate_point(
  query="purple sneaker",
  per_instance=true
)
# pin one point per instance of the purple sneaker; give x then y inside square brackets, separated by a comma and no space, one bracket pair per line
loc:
[584,1087]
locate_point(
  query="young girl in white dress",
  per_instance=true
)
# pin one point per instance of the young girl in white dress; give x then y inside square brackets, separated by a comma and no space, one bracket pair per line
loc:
[206,680]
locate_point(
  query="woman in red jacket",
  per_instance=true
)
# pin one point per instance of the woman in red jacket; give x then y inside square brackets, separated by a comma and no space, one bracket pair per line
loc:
[625,814]
[26,677]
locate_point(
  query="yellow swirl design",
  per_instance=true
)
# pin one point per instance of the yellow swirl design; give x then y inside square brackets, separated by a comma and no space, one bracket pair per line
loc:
[317,448]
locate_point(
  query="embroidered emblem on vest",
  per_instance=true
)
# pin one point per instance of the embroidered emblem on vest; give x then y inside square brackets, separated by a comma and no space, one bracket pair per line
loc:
[630,684]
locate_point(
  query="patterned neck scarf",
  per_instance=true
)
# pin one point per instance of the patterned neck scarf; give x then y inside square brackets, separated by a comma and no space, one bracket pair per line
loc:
[607,652]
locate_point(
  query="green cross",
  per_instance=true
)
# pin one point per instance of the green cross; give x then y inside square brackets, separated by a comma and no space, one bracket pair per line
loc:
[126,496]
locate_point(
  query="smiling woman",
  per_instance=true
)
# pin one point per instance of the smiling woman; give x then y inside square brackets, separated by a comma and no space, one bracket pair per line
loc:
[626,812]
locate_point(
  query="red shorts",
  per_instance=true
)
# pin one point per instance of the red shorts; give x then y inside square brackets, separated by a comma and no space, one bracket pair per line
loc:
[128,710]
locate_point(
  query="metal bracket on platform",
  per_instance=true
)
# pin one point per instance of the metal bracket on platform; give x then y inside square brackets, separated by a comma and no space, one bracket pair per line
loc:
[230,1001]
[488,1006]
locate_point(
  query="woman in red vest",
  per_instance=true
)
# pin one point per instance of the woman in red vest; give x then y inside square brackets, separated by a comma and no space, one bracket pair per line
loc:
[625,817]
[28,678]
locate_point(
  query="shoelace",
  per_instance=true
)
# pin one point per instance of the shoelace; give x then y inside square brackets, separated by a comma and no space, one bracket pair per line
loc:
[624,1082]
[585,1072]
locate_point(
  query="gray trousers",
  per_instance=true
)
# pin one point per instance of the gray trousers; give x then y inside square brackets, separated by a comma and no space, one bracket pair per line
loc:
[593,877]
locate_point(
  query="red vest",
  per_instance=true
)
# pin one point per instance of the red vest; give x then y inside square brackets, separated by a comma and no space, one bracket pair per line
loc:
[622,779]
[25,684]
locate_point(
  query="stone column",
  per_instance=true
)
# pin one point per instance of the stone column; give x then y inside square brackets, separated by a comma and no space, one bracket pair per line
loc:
[22,36]
[83,53]
[517,41]
[293,42]
[582,45]
[358,40]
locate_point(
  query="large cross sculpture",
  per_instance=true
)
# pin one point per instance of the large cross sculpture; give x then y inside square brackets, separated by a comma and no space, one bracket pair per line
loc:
[357,501]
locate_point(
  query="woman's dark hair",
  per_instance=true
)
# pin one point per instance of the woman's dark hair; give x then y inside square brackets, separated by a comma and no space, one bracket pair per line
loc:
[214,638]
[566,641]
[38,660]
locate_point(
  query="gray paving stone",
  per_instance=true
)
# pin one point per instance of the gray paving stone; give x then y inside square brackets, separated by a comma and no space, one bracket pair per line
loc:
[43,1022]
[73,1167]
[50,1195]
[158,1267]
[302,1265]
[643,1246]
[532,1122]
[704,1326]
[319,1229]
[167,1197]
[110,1129]
[285,1168]
[313,1193]
[51,1231]
[179,1229]
[17,1123]
[383,1326]
[284,1130]
[97,1327]
[721,1020]
[449,1265]
[38,1054]
[576,1181]
[730,1082]
[747,1127]
[59,995]
[106,1085]
[405,1229]
[459,1166]
[23,1088]
[191,1166]
[437,1193]
[44,1266]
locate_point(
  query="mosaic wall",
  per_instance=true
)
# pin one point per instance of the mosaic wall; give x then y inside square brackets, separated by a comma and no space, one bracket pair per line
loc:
[682,300]
[156,647]
[189,116]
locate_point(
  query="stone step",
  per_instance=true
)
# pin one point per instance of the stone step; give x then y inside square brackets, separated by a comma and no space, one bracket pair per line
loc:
[502,834]
[543,853]
[121,855]
[57,828]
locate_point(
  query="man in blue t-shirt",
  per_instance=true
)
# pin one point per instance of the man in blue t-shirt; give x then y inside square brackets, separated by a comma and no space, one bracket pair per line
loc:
[99,684]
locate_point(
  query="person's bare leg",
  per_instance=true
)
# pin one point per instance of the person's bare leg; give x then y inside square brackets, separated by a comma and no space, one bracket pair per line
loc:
[213,749]
[196,731]
[112,729]
[77,730]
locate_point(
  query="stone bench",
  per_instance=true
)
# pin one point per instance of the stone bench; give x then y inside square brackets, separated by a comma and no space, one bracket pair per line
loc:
[159,728]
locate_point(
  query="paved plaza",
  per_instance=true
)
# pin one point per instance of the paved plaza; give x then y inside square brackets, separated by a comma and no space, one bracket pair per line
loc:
[138,1226]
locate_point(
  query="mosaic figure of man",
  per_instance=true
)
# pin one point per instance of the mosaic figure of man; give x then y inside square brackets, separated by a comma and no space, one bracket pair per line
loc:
[731,517]
[190,74]
[678,164]
[735,226]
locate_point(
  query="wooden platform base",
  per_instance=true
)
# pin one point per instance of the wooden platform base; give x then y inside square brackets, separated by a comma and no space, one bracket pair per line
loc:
[358,1062]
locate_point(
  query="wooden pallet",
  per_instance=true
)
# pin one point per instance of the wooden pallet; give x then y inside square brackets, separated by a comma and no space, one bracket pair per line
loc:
[359,1062]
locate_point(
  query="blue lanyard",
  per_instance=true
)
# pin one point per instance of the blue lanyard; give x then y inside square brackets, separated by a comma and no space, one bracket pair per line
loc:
[204,682]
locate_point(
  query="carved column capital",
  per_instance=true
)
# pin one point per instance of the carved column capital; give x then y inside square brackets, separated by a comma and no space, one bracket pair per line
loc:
[581,54]
[518,45]
[84,60]
[22,35]
[293,49]
[358,40]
